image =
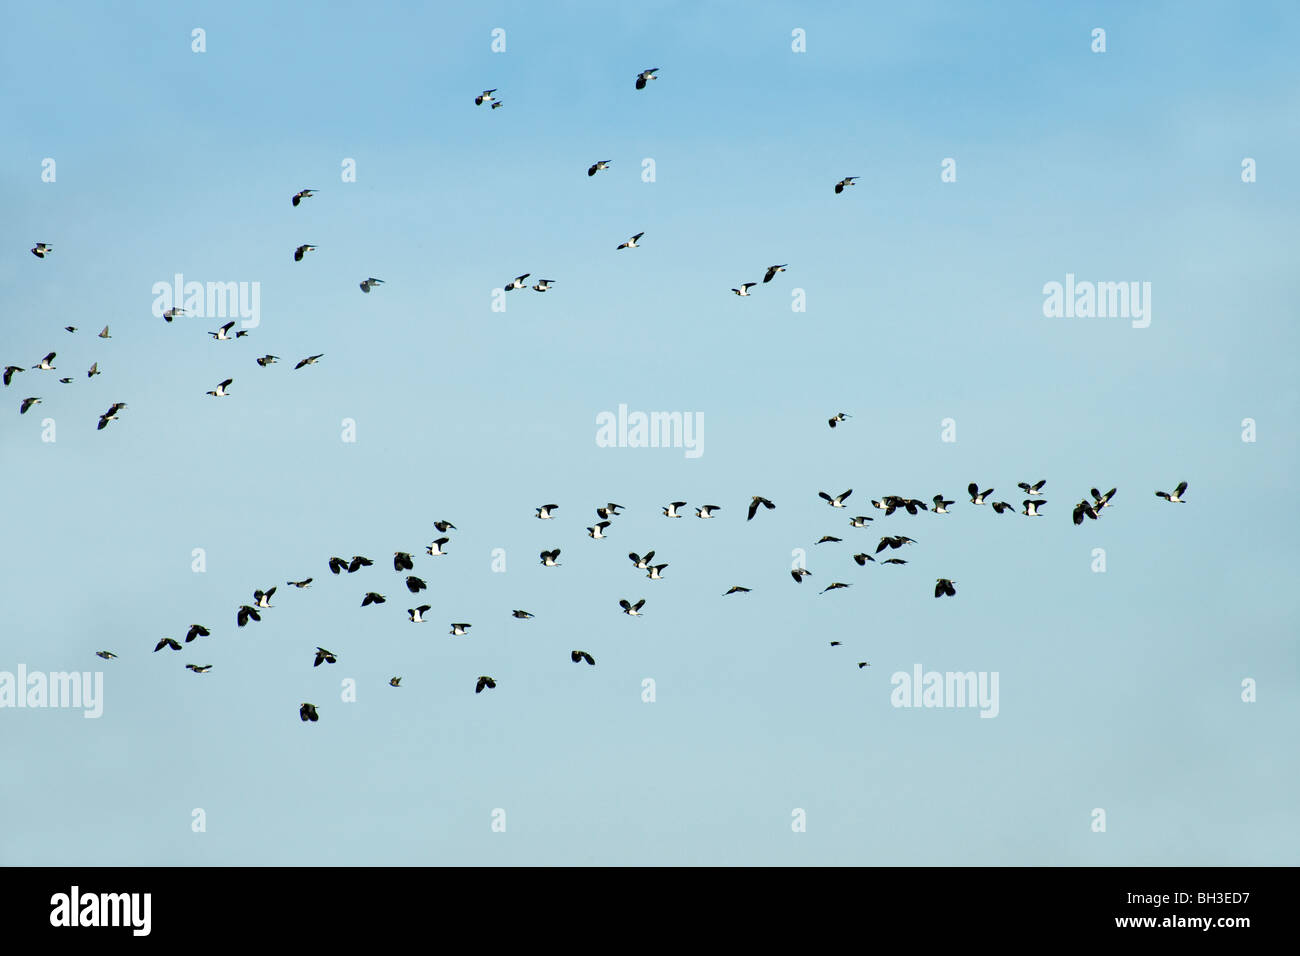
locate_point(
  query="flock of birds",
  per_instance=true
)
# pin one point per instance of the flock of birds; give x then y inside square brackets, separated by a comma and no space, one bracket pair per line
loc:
[403,562]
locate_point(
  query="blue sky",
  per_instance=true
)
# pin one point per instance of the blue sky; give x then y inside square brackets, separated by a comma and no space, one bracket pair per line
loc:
[1119,690]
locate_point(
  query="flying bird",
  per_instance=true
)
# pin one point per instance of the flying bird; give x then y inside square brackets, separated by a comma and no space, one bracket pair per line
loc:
[609,510]
[458,630]
[262,599]
[1031,508]
[167,642]
[837,501]
[736,589]
[104,334]
[1084,508]
[1102,501]
[435,549]
[308,712]
[1001,506]
[799,574]
[394,682]
[484,97]
[304,583]
[45,362]
[944,587]
[372,598]
[545,511]
[172,313]
[337,565]
[27,403]
[41,248]
[863,558]
[744,289]
[299,197]
[415,585]
[548,558]
[579,656]
[976,496]
[402,562]
[9,372]
[522,615]
[368,284]
[107,655]
[485,681]
[110,415]
[444,526]
[632,609]
[834,585]
[357,563]
[93,370]
[245,614]
[1035,489]
[416,614]
[302,251]
[196,631]
[69,328]
[220,390]
[655,571]
[671,511]
[543,285]
[706,511]
[594,168]
[597,531]
[640,562]
[325,656]
[837,418]
[266,360]
[755,503]
[497,105]
[220,335]
[309,360]
[773,270]
[1177,496]
[198,669]
[893,542]
[517,282]
[860,521]
[846,181]
[645,75]
[631,243]
[941,505]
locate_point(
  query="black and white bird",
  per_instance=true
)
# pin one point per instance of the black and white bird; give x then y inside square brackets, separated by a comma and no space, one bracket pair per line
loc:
[837,501]
[485,681]
[172,313]
[598,530]
[484,97]
[640,562]
[196,631]
[304,583]
[110,415]
[706,511]
[609,510]
[266,360]
[736,589]
[416,614]
[337,565]
[394,682]
[633,609]
[309,360]
[837,418]
[444,526]
[1100,501]
[894,542]
[941,505]
[262,599]
[549,558]
[829,539]
[220,390]
[167,642]
[517,282]
[744,289]
[372,598]
[28,403]
[66,381]
[435,549]
[944,587]
[1177,496]
[9,372]
[1031,508]
[458,630]
[860,521]
[596,167]
[976,496]
[415,585]
[93,370]
[755,503]
[893,561]
[671,511]
[198,668]
[799,574]
[835,585]
[543,285]
[1035,489]
[324,656]
[246,614]
[631,243]
[545,511]
[846,181]
[370,283]
[522,615]
[302,251]
[302,194]
[69,328]
[104,333]
[46,363]
[1084,509]
[41,248]
[497,104]
[107,655]
[1004,506]
[773,270]
[402,562]
[655,571]
[357,563]
[308,712]
[221,336]
[863,558]
[645,75]
[579,656]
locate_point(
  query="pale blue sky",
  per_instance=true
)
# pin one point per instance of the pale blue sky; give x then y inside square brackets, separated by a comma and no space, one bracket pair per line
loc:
[924,302]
